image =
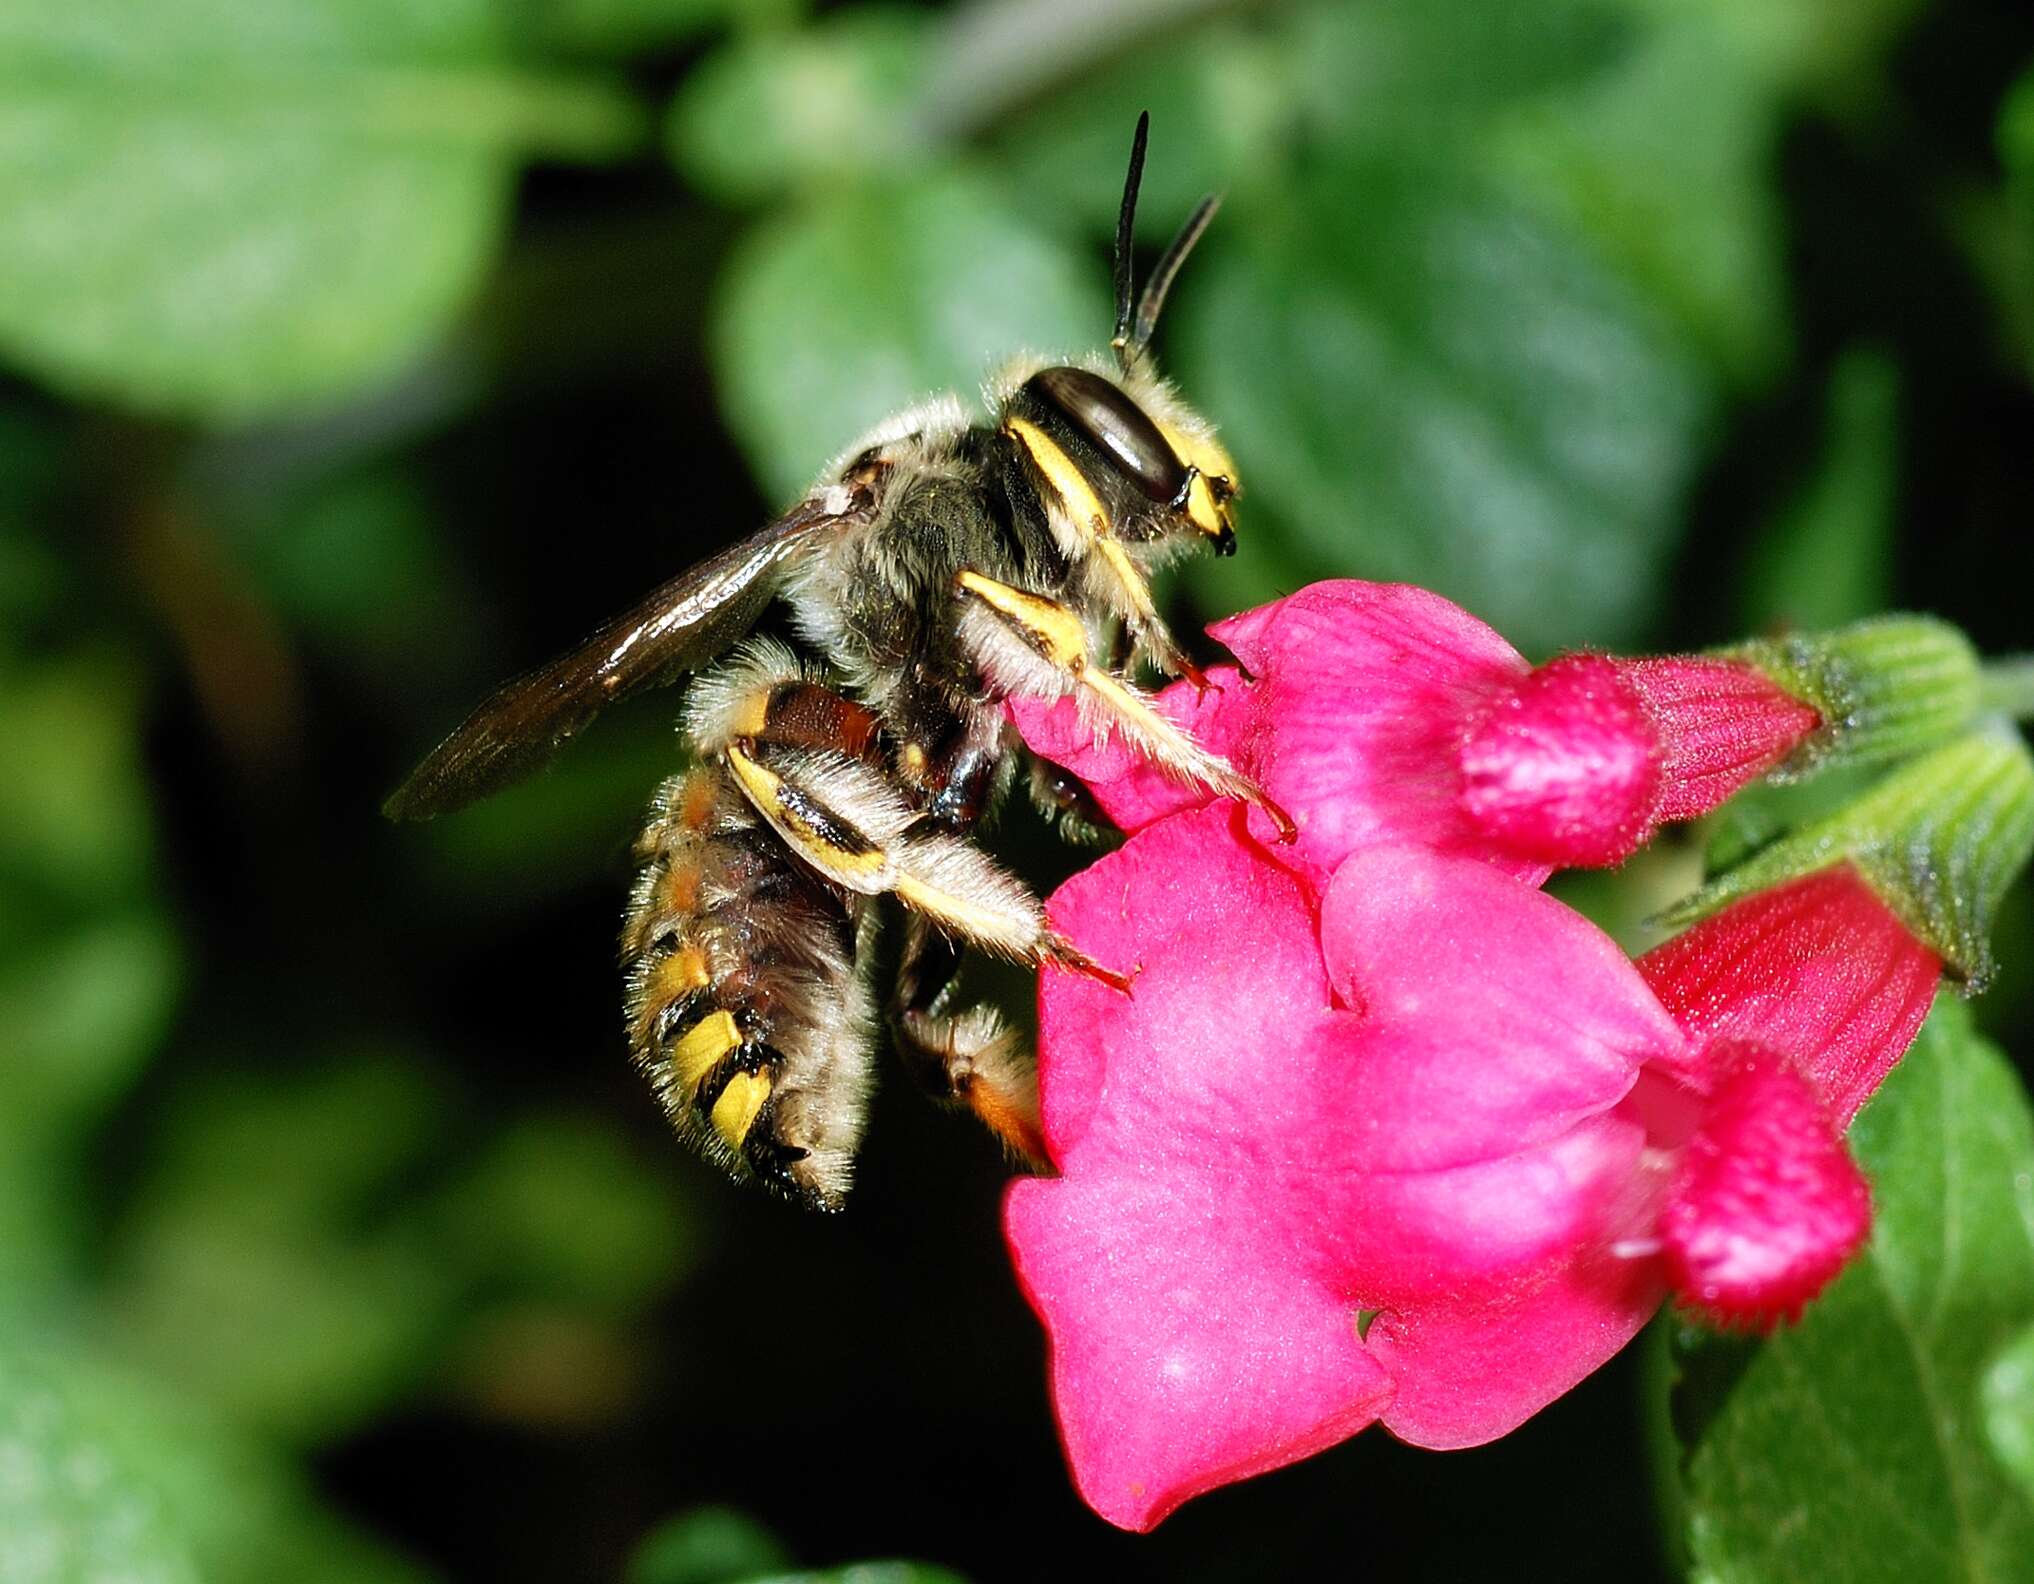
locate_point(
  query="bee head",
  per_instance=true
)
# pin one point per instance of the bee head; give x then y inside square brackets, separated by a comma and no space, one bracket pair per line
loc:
[1171,466]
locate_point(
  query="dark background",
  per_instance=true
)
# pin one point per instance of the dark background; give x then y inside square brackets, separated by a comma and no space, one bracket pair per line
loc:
[335,1207]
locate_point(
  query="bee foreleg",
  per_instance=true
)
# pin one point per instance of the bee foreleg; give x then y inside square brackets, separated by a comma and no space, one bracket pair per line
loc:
[1028,644]
[969,1058]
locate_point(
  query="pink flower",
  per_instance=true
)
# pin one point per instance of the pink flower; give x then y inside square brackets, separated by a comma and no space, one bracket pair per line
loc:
[1382,712]
[1302,1113]
[1384,1134]
[1797,1002]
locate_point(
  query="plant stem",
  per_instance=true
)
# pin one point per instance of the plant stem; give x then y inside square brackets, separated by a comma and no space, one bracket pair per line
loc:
[2007,685]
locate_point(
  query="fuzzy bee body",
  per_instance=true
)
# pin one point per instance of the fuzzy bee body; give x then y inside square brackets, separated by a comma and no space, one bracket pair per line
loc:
[943,565]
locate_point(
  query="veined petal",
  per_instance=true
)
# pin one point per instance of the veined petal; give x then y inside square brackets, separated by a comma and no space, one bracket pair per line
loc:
[1228,984]
[1188,1348]
[1363,693]
[1494,1018]
[1360,695]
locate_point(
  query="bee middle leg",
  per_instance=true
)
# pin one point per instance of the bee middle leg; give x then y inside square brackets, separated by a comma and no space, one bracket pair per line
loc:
[967,1058]
[850,824]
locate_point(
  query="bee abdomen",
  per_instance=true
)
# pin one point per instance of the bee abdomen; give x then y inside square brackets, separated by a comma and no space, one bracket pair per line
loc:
[746,1003]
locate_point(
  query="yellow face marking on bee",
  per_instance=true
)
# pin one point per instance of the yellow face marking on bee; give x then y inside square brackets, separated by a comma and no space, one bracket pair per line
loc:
[735,1112]
[1204,510]
[711,1038]
[1078,497]
[826,841]
[1050,628]
[1198,451]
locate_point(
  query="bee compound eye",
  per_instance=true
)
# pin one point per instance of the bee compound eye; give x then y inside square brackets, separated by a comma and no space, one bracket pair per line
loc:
[1121,429]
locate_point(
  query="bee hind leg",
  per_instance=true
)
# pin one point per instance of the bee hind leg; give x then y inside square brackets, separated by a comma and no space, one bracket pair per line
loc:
[968,1059]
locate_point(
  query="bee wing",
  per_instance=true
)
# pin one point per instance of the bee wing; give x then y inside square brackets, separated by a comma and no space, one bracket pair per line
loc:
[681,626]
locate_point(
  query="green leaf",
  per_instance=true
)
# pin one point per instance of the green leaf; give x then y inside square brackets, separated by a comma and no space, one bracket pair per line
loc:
[1420,381]
[222,208]
[74,817]
[2009,1409]
[1393,70]
[865,300]
[89,969]
[1852,1446]
[708,1545]
[624,27]
[70,1512]
[1940,840]
[783,108]
[1827,556]
[560,1209]
[1220,98]
[107,1478]
[268,1266]
[1665,164]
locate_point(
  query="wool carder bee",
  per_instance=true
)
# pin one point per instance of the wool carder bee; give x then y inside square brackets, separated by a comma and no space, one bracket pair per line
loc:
[941,565]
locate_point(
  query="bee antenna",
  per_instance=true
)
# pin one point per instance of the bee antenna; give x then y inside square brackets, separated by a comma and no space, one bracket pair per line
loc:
[1161,279]
[1126,220]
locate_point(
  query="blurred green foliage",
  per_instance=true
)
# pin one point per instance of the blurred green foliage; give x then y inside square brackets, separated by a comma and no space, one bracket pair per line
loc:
[359,352]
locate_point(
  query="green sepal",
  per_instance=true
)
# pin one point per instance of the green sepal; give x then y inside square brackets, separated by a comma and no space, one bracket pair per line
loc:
[1939,839]
[1885,688]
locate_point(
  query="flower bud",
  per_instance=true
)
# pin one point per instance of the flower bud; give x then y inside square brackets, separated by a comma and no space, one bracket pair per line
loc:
[1766,1205]
[1579,762]
[1819,968]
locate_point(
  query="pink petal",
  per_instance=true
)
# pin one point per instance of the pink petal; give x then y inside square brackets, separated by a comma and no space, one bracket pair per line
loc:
[1363,694]
[1496,1285]
[1228,977]
[1129,788]
[1495,1018]
[1188,1349]
[1819,970]
[1721,723]
[1353,723]
[1767,1205]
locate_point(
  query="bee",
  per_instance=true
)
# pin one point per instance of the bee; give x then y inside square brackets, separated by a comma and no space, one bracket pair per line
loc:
[940,566]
